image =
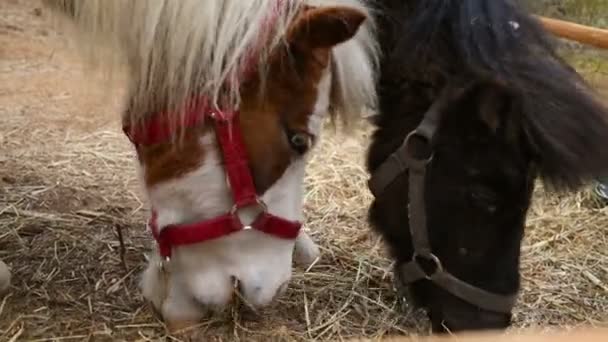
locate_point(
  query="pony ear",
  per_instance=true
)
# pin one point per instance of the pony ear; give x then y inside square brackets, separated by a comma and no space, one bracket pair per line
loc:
[491,102]
[325,27]
[493,105]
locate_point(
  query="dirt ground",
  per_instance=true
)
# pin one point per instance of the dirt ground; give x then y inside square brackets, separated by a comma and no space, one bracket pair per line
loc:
[67,188]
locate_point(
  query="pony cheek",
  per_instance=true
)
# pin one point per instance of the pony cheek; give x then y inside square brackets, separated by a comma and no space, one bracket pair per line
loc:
[269,167]
[267,149]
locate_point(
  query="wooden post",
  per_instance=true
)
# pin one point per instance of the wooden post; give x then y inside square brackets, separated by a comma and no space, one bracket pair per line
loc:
[583,34]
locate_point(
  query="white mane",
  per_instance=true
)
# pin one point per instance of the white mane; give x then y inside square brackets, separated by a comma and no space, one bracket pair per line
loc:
[177,48]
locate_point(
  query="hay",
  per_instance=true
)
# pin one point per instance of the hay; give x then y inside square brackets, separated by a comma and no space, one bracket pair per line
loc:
[67,187]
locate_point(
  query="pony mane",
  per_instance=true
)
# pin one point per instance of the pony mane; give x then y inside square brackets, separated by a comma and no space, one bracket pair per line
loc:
[354,65]
[499,42]
[175,50]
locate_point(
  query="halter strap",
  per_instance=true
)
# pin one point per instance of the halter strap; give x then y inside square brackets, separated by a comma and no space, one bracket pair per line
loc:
[236,162]
[413,157]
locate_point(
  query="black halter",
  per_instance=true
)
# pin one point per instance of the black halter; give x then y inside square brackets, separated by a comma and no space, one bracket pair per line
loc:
[413,156]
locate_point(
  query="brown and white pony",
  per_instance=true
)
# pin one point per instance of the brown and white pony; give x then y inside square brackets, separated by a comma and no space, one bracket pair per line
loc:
[226,99]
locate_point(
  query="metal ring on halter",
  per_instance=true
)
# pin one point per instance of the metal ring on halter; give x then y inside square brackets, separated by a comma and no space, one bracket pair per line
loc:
[258,201]
[162,265]
[438,267]
[235,208]
[217,115]
[213,114]
[412,156]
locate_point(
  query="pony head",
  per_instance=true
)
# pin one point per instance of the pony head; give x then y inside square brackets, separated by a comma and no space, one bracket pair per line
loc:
[271,70]
[518,113]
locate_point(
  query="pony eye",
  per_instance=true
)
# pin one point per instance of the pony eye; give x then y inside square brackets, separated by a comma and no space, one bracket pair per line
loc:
[300,141]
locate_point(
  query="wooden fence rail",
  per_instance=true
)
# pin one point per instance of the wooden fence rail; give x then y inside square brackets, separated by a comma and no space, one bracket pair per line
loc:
[581,33]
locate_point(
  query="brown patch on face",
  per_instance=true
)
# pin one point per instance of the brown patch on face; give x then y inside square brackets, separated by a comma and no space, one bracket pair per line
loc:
[289,98]
[288,101]
[166,161]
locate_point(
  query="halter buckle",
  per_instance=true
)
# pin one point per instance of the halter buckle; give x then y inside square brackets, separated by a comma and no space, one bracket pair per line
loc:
[428,260]
[419,151]
[162,264]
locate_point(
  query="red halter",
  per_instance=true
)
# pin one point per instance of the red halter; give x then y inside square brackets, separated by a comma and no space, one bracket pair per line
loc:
[230,140]
[236,163]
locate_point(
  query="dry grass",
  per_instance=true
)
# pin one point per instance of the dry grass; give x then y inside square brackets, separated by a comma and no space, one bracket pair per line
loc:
[67,187]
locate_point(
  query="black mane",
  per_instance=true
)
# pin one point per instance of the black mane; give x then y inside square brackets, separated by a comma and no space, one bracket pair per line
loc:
[498,41]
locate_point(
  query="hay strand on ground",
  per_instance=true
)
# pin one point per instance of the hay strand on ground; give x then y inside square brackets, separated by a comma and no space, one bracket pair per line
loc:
[68,187]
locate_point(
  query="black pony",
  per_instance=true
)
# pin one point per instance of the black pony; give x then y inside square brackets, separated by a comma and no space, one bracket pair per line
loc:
[500,109]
